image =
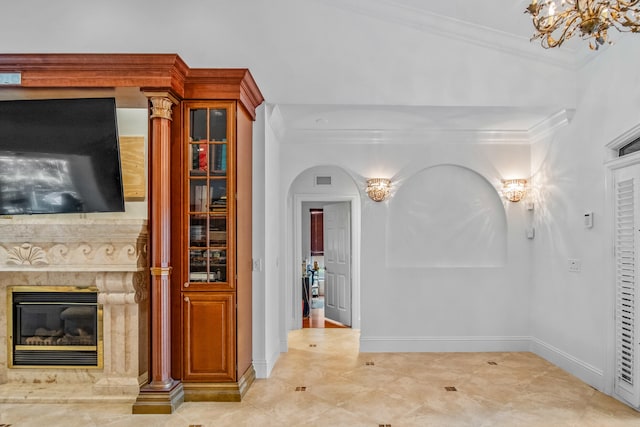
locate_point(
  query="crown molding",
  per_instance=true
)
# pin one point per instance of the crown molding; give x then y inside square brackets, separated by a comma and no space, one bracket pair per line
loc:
[536,133]
[409,136]
[423,20]
[550,125]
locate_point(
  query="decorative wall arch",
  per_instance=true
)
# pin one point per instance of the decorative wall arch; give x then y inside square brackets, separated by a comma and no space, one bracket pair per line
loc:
[446,216]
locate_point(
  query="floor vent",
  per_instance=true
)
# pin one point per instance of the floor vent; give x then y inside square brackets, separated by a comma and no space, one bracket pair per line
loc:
[384,425]
[451,389]
[301,388]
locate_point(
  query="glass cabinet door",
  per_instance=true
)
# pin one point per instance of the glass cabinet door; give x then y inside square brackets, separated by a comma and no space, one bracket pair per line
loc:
[208,190]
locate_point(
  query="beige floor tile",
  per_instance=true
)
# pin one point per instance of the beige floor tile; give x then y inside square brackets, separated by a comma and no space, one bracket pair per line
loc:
[348,388]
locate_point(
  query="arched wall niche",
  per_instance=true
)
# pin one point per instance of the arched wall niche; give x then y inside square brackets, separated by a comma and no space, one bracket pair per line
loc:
[446,216]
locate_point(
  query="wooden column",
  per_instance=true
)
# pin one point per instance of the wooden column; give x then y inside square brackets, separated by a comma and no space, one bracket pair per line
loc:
[163,394]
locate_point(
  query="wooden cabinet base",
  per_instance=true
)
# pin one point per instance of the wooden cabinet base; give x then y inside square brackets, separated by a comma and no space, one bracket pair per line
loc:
[153,401]
[219,392]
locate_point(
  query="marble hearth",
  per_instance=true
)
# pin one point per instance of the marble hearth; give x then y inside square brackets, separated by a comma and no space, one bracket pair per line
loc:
[107,254]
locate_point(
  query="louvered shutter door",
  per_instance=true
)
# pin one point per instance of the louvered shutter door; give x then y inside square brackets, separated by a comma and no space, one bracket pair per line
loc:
[627,384]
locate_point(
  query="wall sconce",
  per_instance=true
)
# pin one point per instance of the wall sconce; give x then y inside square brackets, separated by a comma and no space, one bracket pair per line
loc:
[378,188]
[514,189]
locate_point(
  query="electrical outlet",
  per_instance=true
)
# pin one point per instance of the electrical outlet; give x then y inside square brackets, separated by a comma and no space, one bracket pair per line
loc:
[531,233]
[575,265]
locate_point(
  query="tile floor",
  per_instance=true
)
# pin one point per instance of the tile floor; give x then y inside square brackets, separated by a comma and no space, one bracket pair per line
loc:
[337,386]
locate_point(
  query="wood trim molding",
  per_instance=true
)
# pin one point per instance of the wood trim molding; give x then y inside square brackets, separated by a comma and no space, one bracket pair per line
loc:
[149,72]
[229,83]
[97,70]
[220,392]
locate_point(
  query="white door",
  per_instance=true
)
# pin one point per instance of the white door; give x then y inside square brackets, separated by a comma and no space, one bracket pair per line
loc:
[627,316]
[337,262]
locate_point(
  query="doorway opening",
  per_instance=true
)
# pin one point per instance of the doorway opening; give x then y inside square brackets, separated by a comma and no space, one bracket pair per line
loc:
[324,186]
[326,249]
[326,281]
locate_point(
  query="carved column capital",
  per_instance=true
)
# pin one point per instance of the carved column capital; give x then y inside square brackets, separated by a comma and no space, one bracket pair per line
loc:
[161,104]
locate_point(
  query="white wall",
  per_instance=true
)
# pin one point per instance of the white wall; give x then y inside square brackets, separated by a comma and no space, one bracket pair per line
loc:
[267,220]
[258,204]
[571,312]
[419,308]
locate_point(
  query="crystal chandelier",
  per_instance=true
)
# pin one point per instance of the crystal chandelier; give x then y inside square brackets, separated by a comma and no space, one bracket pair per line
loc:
[558,20]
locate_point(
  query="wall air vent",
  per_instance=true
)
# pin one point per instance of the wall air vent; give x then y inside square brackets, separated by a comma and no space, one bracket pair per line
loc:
[323,180]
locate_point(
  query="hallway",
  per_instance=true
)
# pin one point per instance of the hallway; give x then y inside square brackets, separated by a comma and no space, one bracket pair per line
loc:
[324,381]
[316,317]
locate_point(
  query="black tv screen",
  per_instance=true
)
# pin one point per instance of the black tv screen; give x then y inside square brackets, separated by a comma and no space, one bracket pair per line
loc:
[59,156]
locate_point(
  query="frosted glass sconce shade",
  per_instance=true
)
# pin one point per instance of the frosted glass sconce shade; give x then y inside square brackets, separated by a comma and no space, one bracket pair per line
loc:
[514,189]
[378,188]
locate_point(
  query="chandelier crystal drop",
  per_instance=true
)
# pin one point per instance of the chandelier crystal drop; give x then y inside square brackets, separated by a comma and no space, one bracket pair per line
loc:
[558,20]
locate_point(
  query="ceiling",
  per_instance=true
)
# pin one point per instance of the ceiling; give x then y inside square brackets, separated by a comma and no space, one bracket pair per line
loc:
[502,25]
[496,24]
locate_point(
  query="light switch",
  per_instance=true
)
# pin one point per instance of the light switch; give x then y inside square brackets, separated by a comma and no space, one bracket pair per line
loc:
[588,220]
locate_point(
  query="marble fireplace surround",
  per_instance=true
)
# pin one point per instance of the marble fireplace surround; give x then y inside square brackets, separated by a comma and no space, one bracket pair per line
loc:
[108,254]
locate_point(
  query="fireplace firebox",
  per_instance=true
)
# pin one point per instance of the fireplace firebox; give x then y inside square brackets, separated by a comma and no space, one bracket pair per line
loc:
[54,326]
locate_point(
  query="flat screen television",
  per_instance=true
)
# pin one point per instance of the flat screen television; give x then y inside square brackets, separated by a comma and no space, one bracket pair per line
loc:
[59,156]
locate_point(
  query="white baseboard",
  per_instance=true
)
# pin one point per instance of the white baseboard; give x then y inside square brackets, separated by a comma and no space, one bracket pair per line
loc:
[264,367]
[579,368]
[443,344]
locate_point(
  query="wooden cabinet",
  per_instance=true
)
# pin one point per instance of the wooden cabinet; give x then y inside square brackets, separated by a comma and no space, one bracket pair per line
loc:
[209,329]
[213,331]
[199,247]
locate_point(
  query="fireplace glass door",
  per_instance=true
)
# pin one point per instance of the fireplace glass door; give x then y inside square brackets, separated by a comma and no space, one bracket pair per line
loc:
[55,328]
